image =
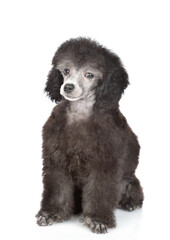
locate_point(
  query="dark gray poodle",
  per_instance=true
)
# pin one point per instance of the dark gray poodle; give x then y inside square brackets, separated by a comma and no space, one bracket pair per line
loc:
[90,153]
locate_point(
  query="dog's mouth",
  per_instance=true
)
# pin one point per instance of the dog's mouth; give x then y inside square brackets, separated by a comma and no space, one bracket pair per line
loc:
[70,93]
[71,98]
[74,96]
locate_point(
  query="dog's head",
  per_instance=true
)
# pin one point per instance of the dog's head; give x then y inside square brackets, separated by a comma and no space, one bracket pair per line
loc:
[78,82]
[82,68]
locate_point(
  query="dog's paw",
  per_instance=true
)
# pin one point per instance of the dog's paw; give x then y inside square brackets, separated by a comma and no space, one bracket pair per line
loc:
[95,227]
[45,219]
[130,205]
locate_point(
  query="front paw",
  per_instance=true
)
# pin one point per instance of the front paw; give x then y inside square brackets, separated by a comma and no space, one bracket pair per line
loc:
[95,227]
[46,219]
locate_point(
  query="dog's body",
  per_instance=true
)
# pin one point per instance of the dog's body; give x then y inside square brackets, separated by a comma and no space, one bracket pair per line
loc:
[90,153]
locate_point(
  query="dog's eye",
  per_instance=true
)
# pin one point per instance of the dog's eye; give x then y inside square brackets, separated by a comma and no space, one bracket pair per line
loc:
[66,71]
[89,75]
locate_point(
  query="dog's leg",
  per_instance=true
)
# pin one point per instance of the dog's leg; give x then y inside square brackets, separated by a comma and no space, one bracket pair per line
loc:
[132,197]
[99,199]
[57,199]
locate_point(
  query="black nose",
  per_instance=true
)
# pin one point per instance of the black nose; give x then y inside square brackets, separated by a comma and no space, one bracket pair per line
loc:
[68,88]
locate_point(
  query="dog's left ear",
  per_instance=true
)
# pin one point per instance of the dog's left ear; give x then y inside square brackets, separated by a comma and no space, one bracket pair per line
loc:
[54,82]
[111,87]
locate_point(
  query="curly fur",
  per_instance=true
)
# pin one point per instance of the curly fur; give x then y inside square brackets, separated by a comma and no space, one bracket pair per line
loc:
[89,164]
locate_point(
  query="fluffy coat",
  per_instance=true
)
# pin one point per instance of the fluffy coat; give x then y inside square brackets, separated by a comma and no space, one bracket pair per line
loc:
[90,153]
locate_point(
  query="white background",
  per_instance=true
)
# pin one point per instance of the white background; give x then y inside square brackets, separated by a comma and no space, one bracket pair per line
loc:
[30,32]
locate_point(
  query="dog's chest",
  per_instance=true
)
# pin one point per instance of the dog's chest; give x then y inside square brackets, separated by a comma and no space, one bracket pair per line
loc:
[76,168]
[78,150]
[79,110]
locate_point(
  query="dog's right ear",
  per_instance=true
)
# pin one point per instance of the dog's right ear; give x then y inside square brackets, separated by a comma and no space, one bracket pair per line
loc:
[54,82]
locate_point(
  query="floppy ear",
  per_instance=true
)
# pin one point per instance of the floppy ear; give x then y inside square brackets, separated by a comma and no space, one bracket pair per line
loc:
[110,89]
[54,82]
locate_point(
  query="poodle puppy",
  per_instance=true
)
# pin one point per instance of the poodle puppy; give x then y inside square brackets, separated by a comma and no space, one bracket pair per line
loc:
[90,153]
